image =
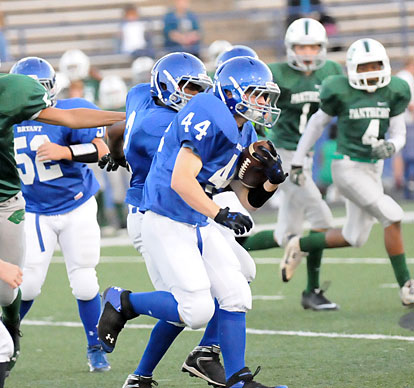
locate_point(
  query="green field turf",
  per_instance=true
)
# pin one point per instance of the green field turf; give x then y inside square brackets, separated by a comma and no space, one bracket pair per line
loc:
[289,343]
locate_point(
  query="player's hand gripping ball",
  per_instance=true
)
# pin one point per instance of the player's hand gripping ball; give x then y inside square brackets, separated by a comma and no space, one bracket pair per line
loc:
[254,164]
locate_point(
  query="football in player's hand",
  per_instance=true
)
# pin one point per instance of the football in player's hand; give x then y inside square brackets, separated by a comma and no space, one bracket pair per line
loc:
[250,169]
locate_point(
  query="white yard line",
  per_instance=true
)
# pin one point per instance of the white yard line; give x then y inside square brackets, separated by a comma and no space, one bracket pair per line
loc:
[258,261]
[124,240]
[312,334]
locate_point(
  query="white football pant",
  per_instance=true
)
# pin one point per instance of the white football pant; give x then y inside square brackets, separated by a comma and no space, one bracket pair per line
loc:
[12,243]
[194,278]
[78,235]
[299,203]
[6,344]
[360,183]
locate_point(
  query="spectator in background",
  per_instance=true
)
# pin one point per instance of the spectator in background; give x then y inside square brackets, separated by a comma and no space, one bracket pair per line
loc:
[135,39]
[404,161]
[4,46]
[181,29]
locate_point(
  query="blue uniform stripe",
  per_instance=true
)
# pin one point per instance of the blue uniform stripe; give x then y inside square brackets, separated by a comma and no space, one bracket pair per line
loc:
[199,240]
[39,234]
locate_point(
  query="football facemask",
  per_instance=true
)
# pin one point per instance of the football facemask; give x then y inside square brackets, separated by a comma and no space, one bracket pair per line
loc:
[173,73]
[367,51]
[246,86]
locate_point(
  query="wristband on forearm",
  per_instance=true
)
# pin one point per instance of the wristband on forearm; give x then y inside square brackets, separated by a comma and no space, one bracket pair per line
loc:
[258,196]
[84,153]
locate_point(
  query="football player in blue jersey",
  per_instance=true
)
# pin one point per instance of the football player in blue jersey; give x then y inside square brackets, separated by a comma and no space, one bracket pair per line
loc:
[191,261]
[51,161]
[150,109]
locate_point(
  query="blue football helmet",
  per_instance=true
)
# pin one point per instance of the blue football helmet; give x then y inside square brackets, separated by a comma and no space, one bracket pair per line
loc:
[39,69]
[239,78]
[173,73]
[236,51]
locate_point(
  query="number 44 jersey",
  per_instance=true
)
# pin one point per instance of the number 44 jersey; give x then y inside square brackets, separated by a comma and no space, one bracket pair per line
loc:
[363,118]
[54,187]
[206,126]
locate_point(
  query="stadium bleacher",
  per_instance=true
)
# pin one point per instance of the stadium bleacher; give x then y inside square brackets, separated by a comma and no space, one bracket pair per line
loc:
[47,28]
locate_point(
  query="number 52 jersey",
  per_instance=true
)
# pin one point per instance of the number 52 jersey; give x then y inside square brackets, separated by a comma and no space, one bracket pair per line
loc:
[54,187]
[206,126]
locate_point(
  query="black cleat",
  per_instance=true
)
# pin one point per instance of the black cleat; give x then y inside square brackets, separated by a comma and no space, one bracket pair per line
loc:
[116,310]
[204,362]
[15,333]
[136,381]
[316,300]
[248,378]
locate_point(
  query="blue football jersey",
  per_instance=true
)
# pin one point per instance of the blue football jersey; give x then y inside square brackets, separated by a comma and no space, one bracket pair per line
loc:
[206,125]
[54,187]
[146,124]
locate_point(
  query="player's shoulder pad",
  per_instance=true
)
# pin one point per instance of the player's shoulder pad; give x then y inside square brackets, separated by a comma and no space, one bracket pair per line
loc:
[333,67]
[278,68]
[20,83]
[336,84]
[140,89]
[207,106]
[399,86]
[72,103]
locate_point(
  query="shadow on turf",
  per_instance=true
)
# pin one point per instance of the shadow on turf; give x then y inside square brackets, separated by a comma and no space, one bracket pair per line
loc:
[407,321]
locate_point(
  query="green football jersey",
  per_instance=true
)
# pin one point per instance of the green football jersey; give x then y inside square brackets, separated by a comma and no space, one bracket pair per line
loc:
[299,99]
[363,118]
[21,98]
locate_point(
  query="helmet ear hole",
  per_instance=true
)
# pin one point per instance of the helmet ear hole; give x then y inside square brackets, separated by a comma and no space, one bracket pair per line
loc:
[163,85]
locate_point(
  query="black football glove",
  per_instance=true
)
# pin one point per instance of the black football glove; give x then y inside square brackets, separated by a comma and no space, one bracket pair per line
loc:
[238,222]
[272,164]
[111,163]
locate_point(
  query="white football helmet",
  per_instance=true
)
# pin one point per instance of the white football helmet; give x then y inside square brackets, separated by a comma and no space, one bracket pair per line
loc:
[75,65]
[306,31]
[218,47]
[141,70]
[112,92]
[366,51]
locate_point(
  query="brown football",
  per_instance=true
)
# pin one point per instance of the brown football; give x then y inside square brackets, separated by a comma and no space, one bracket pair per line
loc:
[250,169]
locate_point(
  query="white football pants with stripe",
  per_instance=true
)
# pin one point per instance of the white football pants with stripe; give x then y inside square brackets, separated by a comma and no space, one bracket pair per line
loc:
[78,235]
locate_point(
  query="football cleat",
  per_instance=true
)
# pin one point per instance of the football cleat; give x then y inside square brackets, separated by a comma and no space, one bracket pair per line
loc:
[15,333]
[246,377]
[97,360]
[316,300]
[292,257]
[204,362]
[407,293]
[116,310]
[136,381]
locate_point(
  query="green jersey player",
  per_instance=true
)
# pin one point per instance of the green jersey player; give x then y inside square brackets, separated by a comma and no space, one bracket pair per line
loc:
[23,98]
[299,80]
[369,104]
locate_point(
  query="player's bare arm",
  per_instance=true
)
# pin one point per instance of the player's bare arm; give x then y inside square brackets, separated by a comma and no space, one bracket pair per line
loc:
[53,151]
[115,135]
[79,118]
[11,274]
[184,183]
